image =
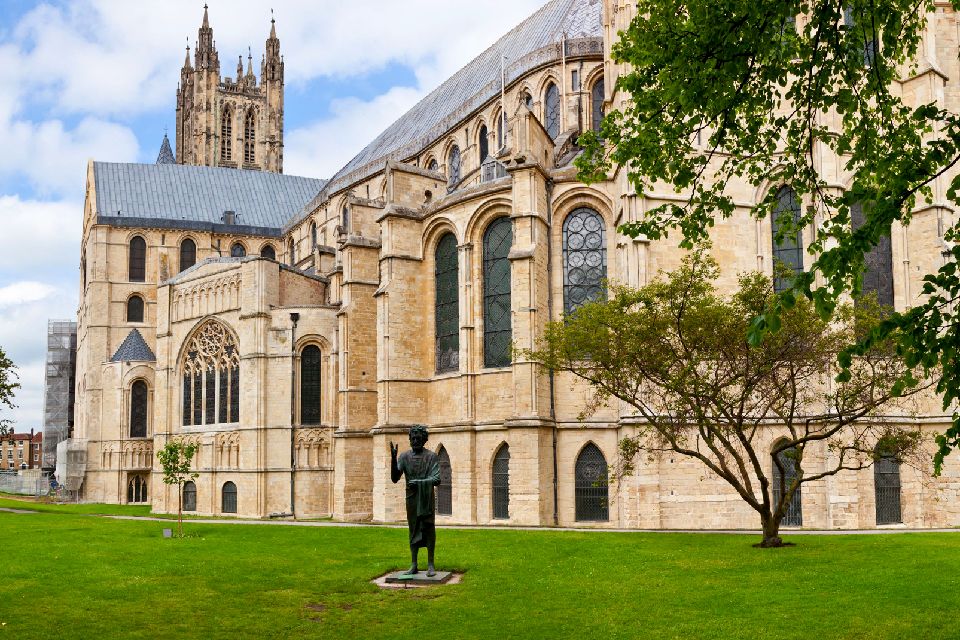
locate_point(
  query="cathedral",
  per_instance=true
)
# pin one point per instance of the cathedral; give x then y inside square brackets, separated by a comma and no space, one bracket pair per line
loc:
[294,327]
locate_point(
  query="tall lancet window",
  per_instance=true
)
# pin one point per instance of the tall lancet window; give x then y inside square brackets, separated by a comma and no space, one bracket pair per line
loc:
[447,305]
[226,135]
[211,376]
[250,138]
[551,111]
[787,250]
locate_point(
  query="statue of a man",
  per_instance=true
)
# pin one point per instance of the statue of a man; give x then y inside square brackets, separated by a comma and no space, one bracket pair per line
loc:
[422,470]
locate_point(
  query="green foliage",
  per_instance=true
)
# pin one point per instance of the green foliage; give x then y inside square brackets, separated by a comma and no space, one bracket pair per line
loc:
[8,386]
[176,459]
[768,88]
[678,354]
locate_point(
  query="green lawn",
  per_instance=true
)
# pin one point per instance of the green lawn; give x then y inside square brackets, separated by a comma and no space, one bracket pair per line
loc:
[76,576]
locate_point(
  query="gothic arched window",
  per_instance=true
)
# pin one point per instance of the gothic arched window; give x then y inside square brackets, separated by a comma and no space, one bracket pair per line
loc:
[501,126]
[584,258]
[237,250]
[497,327]
[229,498]
[137,265]
[527,101]
[878,270]
[310,363]
[292,250]
[433,166]
[136,489]
[189,496]
[551,111]
[250,138]
[211,376]
[138,409]
[188,254]
[501,482]
[268,252]
[590,485]
[453,164]
[781,482]
[789,251]
[484,143]
[226,135]
[447,304]
[596,104]
[313,237]
[886,485]
[345,218]
[135,309]
[445,488]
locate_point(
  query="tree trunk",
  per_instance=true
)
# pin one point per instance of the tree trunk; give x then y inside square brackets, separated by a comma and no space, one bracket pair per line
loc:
[179,511]
[771,532]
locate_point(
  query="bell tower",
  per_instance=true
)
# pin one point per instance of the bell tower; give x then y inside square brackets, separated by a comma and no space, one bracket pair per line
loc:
[230,122]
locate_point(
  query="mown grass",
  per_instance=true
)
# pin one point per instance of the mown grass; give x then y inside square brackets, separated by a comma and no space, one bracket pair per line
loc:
[76,576]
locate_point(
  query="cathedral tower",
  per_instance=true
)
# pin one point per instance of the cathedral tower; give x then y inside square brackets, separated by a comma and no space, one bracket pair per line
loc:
[230,122]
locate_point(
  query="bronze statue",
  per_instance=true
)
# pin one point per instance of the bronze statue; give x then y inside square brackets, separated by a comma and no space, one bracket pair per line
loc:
[422,470]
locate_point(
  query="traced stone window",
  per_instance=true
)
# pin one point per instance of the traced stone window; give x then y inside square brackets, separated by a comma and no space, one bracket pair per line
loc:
[211,375]
[591,485]
[229,502]
[250,138]
[551,111]
[189,496]
[310,363]
[138,259]
[484,143]
[136,489]
[444,492]
[584,258]
[497,326]
[447,304]
[886,484]
[135,309]
[453,164]
[596,104]
[781,482]
[787,251]
[237,250]
[313,237]
[878,270]
[138,409]
[268,252]
[226,135]
[188,254]
[501,482]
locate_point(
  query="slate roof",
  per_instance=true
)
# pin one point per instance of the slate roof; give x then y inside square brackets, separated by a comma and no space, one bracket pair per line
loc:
[184,196]
[134,349]
[166,153]
[474,84]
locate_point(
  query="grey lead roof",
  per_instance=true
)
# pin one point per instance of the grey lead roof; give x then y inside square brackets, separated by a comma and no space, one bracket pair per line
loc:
[134,349]
[479,80]
[174,195]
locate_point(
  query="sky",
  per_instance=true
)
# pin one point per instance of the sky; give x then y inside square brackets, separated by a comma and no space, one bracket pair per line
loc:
[97,79]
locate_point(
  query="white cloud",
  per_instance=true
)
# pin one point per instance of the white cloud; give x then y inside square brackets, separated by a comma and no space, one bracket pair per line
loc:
[19,293]
[39,236]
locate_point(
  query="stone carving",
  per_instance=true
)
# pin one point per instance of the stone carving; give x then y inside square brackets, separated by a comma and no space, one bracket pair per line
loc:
[213,296]
[312,449]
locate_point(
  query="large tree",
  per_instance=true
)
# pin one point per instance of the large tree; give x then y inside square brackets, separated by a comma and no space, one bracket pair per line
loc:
[676,353]
[759,92]
[8,387]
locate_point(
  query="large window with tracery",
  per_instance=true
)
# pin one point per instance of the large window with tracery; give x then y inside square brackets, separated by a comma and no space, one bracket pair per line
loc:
[584,258]
[211,377]
[497,326]
[551,111]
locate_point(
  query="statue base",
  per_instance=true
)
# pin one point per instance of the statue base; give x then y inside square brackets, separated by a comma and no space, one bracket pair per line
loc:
[419,578]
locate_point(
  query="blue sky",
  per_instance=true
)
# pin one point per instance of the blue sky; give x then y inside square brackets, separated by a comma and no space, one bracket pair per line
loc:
[97,79]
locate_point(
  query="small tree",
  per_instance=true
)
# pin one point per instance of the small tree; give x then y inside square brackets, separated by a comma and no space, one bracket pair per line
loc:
[8,385]
[678,354]
[175,459]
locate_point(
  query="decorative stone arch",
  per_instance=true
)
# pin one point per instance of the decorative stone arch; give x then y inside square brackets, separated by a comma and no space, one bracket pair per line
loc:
[527,90]
[431,158]
[237,242]
[312,449]
[448,144]
[432,232]
[486,213]
[268,247]
[569,201]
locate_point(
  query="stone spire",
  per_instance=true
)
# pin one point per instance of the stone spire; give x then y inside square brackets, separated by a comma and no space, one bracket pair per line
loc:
[166,153]
[273,63]
[206,55]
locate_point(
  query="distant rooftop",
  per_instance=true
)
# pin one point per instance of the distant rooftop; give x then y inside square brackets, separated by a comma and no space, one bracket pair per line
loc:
[134,349]
[191,197]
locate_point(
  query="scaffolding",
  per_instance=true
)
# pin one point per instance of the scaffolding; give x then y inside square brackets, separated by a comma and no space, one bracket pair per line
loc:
[71,465]
[59,387]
